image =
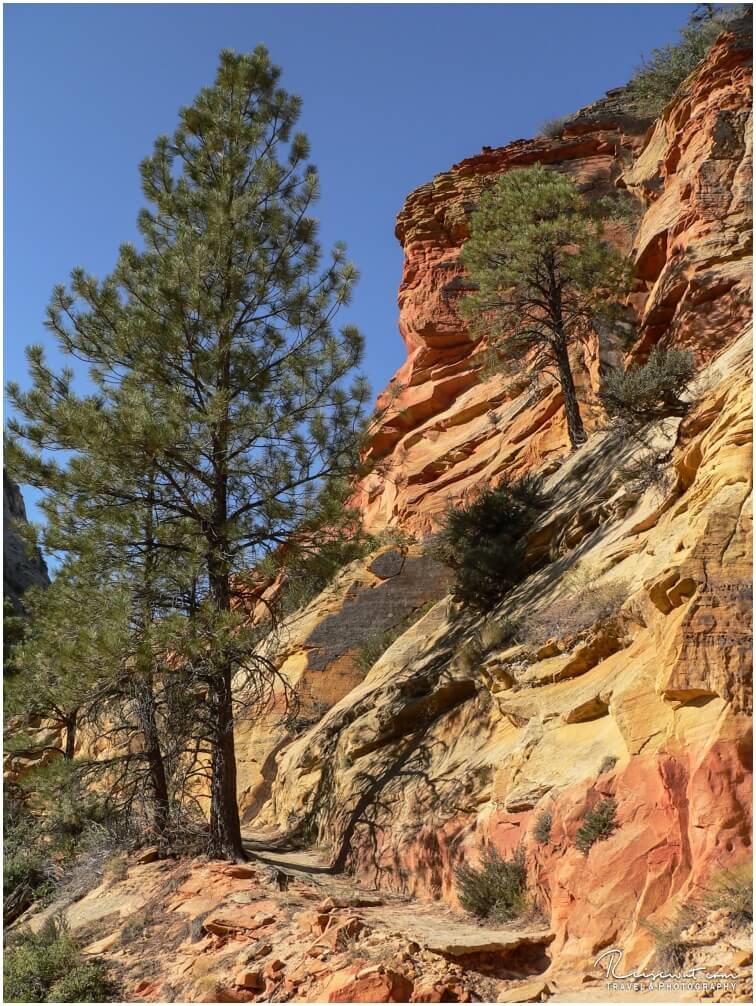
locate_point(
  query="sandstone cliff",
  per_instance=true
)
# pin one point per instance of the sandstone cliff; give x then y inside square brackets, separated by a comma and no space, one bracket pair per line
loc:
[433,753]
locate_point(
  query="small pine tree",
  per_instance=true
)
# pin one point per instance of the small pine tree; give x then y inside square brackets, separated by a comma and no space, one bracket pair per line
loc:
[542,275]
[483,541]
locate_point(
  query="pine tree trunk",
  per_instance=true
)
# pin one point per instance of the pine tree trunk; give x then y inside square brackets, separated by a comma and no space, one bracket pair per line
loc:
[575,428]
[154,756]
[225,827]
[70,746]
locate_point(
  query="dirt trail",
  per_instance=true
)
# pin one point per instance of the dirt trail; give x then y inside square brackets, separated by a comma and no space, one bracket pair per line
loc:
[432,925]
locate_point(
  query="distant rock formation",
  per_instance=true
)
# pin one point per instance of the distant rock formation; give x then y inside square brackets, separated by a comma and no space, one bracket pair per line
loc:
[22,567]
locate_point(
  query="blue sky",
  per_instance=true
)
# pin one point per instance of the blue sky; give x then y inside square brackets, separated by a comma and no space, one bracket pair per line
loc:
[392,95]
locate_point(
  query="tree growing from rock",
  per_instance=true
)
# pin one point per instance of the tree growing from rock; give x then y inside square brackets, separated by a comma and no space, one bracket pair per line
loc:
[542,276]
[218,372]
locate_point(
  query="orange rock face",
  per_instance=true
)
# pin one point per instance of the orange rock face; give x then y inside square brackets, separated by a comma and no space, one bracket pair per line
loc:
[446,429]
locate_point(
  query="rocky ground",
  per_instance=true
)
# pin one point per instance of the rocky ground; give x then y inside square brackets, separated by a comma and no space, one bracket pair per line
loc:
[198,931]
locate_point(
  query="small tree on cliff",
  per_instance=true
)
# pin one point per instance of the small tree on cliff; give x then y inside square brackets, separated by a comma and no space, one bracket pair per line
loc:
[542,275]
[218,372]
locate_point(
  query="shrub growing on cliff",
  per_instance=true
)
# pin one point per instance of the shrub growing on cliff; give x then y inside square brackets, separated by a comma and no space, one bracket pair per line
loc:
[598,824]
[542,830]
[542,276]
[484,540]
[551,129]
[732,891]
[657,78]
[643,394]
[497,889]
[48,966]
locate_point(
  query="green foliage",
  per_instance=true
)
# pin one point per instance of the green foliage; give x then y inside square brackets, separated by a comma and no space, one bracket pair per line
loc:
[732,891]
[484,540]
[14,631]
[598,824]
[48,966]
[542,830]
[497,890]
[632,398]
[541,275]
[657,79]
[225,401]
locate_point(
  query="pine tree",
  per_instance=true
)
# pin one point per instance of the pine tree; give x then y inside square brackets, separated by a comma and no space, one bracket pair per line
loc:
[220,400]
[541,275]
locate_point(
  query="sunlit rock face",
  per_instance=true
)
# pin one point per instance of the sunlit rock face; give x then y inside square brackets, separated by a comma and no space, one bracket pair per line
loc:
[441,748]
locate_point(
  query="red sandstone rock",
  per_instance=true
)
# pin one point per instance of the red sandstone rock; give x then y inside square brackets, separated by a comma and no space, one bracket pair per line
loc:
[388,987]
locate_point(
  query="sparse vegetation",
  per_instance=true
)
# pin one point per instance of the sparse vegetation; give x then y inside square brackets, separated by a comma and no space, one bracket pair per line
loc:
[643,394]
[551,129]
[657,78]
[598,824]
[497,890]
[496,632]
[732,892]
[542,830]
[670,947]
[584,604]
[651,468]
[484,540]
[376,645]
[48,966]
[607,764]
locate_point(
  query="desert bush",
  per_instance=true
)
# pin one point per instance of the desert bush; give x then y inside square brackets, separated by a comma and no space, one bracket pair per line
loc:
[497,890]
[373,648]
[551,129]
[542,830]
[657,79]
[651,468]
[732,892]
[48,967]
[598,824]
[670,948]
[496,631]
[585,603]
[484,540]
[607,764]
[643,394]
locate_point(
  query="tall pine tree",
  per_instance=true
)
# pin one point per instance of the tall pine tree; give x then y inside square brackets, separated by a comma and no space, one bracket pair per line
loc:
[217,372]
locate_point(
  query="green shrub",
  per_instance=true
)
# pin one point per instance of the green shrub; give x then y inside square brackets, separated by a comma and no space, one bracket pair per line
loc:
[483,541]
[732,891]
[497,890]
[598,824]
[48,967]
[632,398]
[552,128]
[24,866]
[542,830]
[657,79]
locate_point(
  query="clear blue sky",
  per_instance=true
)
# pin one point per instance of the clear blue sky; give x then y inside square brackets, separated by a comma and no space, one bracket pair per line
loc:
[392,95]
